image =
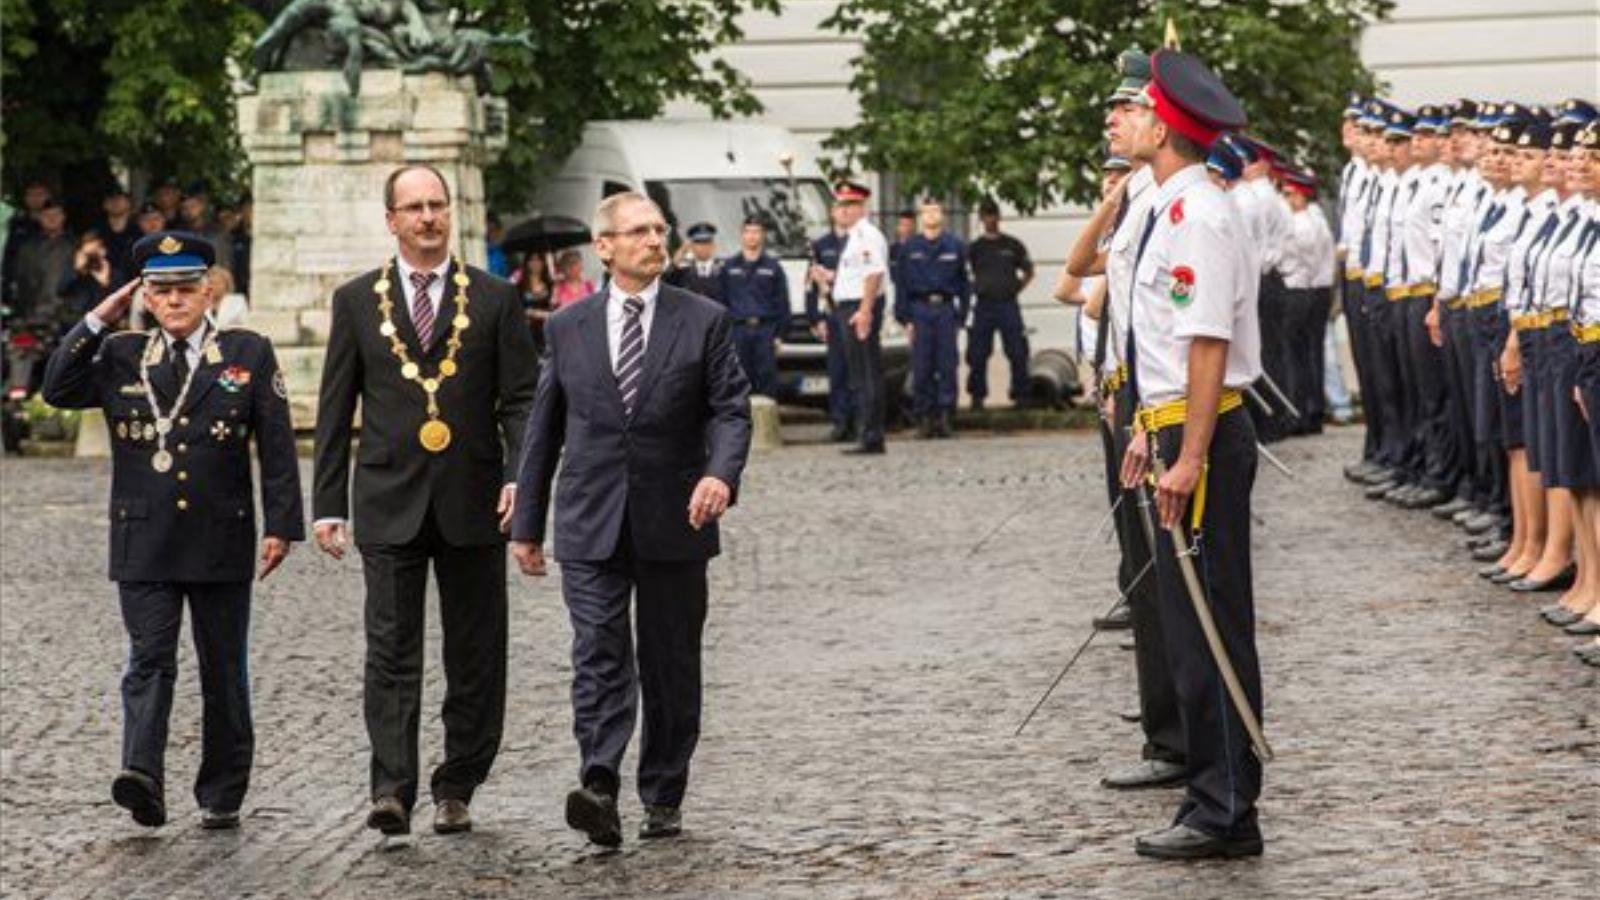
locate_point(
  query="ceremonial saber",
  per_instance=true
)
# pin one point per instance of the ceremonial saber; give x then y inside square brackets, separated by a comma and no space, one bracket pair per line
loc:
[1275,461]
[1122,597]
[1202,611]
[1259,401]
[1028,504]
[1278,393]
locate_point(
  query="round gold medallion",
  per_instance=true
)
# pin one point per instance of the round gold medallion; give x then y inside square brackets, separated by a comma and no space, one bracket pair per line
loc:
[461,279]
[410,371]
[461,322]
[382,286]
[434,435]
[386,329]
[430,384]
[447,367]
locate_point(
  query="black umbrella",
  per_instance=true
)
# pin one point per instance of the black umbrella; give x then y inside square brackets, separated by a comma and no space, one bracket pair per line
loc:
[545,234]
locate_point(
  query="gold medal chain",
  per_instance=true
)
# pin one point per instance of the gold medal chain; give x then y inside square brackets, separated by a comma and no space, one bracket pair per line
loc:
[408,368]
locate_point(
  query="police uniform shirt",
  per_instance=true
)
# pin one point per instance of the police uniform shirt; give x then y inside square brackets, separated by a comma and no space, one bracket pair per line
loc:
[1423,229]
[1554,273]
[1195,277]
[1252,211]
[1124,245]
[1381,224]
[936,266]
[1468,193]
[1088,330]
[999,263]
[1503,222]
[1353,198]
[865,253]
[1586,276]
[1347,187]
[1395,269]
[1275,214]
[1307,259]
[1540,207]
[755,288]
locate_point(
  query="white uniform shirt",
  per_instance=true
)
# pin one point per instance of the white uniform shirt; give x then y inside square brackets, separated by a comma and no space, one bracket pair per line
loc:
[1275,214]
[1120,252]
[865,253]
[1394,260]
[1348,186]
[1378,224]
[1197,276]
[1089,329]
[1517,299]
[1424,226]
[1464,207]
[1551,269]
[1307,258]
[1586,275]
[1352,218]
[1499,230]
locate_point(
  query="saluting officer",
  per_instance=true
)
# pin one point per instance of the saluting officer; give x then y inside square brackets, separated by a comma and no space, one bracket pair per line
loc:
[1193,346]
[756,292]
[701,273]
[182,403]
[933,308]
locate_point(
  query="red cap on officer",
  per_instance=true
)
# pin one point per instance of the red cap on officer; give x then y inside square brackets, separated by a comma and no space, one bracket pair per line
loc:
[1190,99]
[851,192]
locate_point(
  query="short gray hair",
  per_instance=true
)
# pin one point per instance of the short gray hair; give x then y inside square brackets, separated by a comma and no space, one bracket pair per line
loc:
[605,215]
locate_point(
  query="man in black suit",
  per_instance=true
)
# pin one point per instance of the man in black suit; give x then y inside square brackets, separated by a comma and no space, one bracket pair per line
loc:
[440,357]
[643,392]
[181,403]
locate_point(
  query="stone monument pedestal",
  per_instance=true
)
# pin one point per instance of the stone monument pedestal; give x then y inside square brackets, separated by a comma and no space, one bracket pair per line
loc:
[320,158]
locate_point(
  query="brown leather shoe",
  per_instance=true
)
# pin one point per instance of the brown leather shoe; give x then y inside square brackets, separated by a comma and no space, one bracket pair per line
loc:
[389,816]
[451,816]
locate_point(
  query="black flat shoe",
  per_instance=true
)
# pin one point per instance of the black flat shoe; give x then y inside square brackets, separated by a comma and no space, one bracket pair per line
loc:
[1490,551]
[1380,490]
[140,795]
[1559,582]
[1450,507]
[1589,653]
[1507,577]
[1490,572]
[864,450]
[1183,842]
[219,820]
[1120,619]
[1146,774]
[595,814]
[1558,615]
[1583,628]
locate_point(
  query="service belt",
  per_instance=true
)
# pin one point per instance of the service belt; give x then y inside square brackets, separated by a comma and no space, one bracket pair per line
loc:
[1167,415]
[1586,334]
[1116,379]
[1483,298]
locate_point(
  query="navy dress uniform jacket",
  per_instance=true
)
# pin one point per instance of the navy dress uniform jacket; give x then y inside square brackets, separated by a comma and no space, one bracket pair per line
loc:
[691,419]
[755,289]
[195,522]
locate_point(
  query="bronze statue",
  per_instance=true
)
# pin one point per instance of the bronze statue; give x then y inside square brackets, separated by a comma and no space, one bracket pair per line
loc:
[410,35]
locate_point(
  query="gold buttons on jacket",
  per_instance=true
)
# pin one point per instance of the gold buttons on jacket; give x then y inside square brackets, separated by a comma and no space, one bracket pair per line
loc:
[183,504]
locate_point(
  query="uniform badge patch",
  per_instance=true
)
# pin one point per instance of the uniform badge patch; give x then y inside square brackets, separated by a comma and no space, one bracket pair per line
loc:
[1176,213]
[131,390]
[279,386]
[234,378]
[1182,285]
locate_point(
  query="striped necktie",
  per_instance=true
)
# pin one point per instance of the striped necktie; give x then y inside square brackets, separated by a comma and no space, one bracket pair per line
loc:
[422,306]
[630,355]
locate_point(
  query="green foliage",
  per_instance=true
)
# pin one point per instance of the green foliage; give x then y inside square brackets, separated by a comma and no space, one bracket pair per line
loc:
[968,97]
[148,81]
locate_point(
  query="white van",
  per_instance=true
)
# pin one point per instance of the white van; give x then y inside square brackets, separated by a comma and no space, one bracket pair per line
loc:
[721,172]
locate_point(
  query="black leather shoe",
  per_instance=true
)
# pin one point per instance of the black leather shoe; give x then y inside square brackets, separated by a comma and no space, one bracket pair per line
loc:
[1583,628]
[451,816]
[389,816]
[1183,842]
[1490,551]
[1380,490]
[1359,472]
[1480,523]
[1559,615]
[1379,475]
[140,795]
[219,819]
[945,427]
[1507,577]
[1131,716]
[1119,619]
[1449,508]
[595,814]
[1400,495]
[1127,644]
[864,450]
[1461,517]
[660,822]
[925,428]
[1425,498]
[1147,773]
[841,434]
[1490,572]
[1559,582]
[1589,653]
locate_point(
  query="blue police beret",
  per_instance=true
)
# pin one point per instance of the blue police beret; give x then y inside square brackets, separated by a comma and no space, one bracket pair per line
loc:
[702,232]
[1398,123]
[1576,112]
[1225,159]
[1536,136]
[1432,119]
[165,257]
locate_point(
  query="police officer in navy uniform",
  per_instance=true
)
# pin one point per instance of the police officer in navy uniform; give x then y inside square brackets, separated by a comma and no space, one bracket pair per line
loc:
[822,314]
[932,306]
[756,292]
[182,403]
[1001,271]
[701,272]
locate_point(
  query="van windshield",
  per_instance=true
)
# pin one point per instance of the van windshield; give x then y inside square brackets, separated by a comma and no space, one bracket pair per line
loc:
[795,211]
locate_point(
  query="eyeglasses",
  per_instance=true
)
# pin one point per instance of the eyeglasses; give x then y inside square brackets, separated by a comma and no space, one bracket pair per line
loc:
[639,233]
[437,207]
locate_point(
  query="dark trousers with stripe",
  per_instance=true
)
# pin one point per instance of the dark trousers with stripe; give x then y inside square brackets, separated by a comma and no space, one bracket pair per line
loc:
[1457,353]
[610,670]
[1488,327]
[1224,773]
[1158,697]
[1388,382]
[472,615]
[1432,441]
[1353,298]
[152,613]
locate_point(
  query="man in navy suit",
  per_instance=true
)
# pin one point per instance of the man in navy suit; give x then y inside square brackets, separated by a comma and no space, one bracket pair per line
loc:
[643,392]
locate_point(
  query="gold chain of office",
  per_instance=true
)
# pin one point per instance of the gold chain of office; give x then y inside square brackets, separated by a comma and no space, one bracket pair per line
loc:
[434,435]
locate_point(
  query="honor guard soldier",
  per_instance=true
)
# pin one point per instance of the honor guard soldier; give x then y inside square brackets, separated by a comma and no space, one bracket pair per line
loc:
[822,315]
[701,273]
[182,402]
[1001,271]
[1193,346]
[932,306]
[756,292]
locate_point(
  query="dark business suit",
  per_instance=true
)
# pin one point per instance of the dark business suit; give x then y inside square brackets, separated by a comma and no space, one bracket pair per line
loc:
[188,532]
[413,507]
[621,521]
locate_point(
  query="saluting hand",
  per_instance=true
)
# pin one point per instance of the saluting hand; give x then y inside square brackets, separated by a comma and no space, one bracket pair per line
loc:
[332,538]
[709,502]
[530,558]
[115,306]
[273,552]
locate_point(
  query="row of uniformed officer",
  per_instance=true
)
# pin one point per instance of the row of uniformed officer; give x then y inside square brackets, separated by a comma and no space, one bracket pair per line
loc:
[182,403]
[754,288]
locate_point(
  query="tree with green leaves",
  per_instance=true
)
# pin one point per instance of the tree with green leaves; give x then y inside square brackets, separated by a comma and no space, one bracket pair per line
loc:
[965,98]
[151,84]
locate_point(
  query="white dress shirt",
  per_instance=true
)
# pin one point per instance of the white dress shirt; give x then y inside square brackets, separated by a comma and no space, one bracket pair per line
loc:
[616,316]
[865,253]
[1119,263]
[435,295]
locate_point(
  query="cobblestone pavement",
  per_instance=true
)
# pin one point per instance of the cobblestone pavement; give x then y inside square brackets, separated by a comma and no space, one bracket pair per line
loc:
[879,627]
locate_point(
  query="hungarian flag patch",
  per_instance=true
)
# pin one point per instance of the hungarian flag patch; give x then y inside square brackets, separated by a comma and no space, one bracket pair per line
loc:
[1176,212]
[1182,285]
